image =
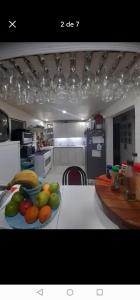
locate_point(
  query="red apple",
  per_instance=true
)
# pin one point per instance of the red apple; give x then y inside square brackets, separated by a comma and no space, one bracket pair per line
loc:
[24,205]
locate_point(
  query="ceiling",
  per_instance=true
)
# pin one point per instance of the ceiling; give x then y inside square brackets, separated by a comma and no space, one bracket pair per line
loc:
[75,111]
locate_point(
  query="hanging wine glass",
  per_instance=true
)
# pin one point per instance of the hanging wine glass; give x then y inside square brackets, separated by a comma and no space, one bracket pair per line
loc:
[107,94]
[119,77]
[96,84]
[20,97]
[136,76]
[87,80]
[4,85]
[30,92]
[13,84]
[45,82]
[105,80]
[73,82]
[119,93]
[59,82]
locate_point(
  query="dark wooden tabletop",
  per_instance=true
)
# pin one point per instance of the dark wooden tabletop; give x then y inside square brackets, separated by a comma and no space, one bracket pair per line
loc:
[126,214]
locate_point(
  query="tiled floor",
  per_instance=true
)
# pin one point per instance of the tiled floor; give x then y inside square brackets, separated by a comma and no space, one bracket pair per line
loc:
[56,173]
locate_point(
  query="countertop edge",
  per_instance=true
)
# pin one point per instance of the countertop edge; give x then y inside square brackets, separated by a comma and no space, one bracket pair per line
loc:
[69,147]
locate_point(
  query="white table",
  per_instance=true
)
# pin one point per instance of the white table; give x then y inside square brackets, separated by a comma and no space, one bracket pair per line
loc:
[80,208]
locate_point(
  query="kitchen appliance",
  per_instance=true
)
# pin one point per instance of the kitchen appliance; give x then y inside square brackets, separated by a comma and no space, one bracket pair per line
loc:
[26,150]
[23,135]
[9,161]
[42,162]
[95,160]
[4,126]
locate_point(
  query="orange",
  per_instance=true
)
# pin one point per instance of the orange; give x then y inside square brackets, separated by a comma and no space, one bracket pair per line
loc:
[31,214]
[46,184]
[44,213]
[45,188]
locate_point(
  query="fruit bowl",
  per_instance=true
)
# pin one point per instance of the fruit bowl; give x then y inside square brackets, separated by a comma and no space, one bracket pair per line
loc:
[18,221]
[37,198]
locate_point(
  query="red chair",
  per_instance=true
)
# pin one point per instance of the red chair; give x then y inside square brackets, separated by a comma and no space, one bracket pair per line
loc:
[74,176]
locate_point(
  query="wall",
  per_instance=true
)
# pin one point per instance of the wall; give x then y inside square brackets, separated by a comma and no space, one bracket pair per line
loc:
[132,101]
[17,113]
[70,129]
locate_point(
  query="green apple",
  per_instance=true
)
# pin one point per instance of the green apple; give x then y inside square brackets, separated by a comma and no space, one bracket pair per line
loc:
[41,199]
[54,200]
[54,187]
[17,197]
[11,209]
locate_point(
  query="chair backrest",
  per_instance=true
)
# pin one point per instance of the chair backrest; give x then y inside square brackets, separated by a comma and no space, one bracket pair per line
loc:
[74,176]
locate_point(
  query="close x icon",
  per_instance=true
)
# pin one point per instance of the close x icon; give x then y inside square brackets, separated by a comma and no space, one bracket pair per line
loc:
[12,24]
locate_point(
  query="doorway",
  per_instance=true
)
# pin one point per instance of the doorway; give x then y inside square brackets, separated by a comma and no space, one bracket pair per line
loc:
[123,136]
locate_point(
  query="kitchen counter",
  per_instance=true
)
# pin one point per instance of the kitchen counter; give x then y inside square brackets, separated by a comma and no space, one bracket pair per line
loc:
[74,212]
[69,146]
[47,147]
[41,152]
[52,147]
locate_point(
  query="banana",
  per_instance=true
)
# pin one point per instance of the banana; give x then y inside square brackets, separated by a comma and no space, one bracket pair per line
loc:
[27,178]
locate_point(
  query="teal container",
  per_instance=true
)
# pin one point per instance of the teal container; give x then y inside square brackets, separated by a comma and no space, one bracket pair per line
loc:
[33,192]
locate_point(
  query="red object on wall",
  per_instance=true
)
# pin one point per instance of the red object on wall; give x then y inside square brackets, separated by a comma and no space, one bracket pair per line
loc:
[99,119]
[124,162]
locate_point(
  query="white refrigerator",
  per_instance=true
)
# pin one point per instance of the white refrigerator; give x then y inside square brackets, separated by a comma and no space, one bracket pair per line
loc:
[9,161]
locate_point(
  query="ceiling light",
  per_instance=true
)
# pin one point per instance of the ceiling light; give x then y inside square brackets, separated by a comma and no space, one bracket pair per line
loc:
[64,111]
[46,120]
[82,119]
[82,123]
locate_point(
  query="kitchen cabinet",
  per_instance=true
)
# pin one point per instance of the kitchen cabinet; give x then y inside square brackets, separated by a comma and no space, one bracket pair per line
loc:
[68,130]
[79,156]
[69,156]
[9,160]
[56,156]
[63,155]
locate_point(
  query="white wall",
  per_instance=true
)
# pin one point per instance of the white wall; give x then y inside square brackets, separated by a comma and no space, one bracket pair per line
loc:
[117,108]
[17,113]
[71,129]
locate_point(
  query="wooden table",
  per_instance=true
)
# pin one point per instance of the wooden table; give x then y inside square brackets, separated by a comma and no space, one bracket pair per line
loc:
[126,214]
